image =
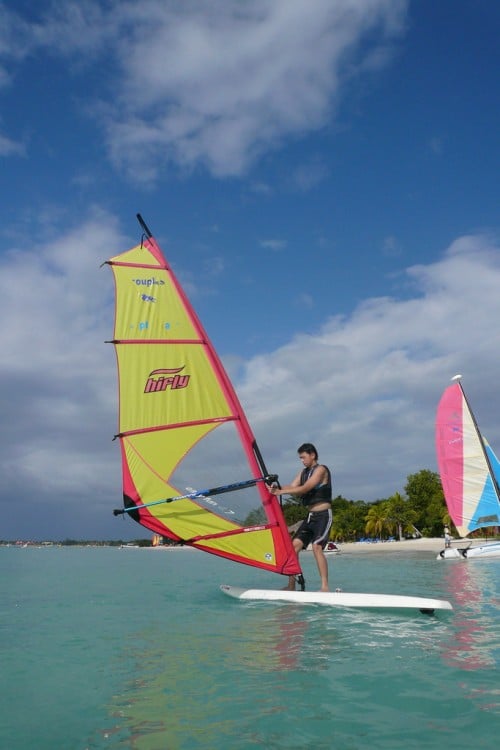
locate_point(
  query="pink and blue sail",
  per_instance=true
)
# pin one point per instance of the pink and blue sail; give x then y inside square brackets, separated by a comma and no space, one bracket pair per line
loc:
[468,466]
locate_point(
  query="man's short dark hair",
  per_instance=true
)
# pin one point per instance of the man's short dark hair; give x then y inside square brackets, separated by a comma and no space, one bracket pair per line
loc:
[308,448]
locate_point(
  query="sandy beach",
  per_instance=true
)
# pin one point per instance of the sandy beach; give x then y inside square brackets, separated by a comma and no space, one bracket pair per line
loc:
[428,546]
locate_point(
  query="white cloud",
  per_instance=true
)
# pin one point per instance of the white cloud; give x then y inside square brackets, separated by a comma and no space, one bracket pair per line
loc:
[8,147]
[309,175]
[391,247]
[221,83]
[214,84]
[436,145]
[273,244]
[365,387]
[59,409]
[305,301]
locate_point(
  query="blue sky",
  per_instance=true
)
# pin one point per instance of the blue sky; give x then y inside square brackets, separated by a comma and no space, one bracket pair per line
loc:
[323,178]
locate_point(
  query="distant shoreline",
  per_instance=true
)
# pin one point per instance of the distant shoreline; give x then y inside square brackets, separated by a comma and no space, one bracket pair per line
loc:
[425,545]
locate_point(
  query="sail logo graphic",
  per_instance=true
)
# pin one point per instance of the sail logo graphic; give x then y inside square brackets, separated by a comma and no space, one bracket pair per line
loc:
[160,380]
[148,282]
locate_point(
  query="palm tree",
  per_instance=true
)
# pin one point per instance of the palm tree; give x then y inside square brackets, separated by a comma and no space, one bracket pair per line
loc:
[376,519]
[399,514]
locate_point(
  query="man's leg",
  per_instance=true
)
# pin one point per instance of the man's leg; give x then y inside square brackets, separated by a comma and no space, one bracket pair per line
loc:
[322,564]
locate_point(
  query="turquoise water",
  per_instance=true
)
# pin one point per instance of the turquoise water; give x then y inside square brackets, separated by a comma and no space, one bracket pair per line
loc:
[137,648]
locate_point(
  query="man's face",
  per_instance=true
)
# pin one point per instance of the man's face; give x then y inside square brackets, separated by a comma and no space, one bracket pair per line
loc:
[307,459]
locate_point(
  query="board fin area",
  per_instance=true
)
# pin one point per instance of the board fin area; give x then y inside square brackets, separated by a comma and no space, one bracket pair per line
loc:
[340,599]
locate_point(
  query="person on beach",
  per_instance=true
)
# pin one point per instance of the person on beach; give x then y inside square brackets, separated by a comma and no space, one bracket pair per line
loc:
[447,537]
[313,485]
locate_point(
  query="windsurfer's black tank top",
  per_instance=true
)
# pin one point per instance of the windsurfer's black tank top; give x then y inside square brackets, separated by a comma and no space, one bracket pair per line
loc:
[322,493]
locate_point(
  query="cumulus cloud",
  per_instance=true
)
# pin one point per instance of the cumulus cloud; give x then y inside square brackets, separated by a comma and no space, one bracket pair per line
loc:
[364,388]
[58,405]
[310,174]
[273,244]
[213,84]
[9,147]
[220,83]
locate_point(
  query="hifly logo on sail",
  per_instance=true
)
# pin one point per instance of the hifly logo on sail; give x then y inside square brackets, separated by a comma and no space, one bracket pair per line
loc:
[160,380]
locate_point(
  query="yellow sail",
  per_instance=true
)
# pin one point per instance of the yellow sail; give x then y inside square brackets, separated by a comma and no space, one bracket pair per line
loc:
[181,427]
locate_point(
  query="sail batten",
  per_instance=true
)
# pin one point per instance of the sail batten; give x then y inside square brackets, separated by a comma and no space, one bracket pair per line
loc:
[161,427]
[158,341]
[227,534]
[181,425]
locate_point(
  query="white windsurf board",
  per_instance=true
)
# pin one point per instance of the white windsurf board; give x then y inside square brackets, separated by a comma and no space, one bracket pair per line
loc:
[340,599]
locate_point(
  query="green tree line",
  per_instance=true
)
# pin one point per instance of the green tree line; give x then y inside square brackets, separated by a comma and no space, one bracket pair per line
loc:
[421,510]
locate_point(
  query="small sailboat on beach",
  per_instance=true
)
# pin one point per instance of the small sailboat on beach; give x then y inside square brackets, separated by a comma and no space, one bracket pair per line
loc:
[182,427]
[470,474]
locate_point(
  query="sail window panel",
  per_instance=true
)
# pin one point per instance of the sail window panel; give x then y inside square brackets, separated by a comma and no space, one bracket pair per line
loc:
[151,458]
[219,459]
[161,465]
[188,519]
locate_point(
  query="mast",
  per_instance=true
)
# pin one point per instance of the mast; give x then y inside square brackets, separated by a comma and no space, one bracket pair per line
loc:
[144,226]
